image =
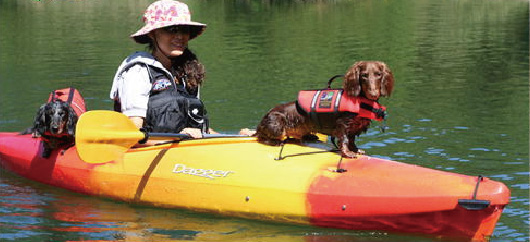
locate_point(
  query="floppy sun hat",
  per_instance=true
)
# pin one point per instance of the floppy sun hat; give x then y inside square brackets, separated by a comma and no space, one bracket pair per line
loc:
[166,13]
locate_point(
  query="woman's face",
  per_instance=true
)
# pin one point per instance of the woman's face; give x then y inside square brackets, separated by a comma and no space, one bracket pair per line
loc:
[172,40]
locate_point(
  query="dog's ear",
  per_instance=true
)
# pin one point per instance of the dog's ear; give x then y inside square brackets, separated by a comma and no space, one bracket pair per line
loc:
[72,121]
[39,124]
[388,80]
[351,85]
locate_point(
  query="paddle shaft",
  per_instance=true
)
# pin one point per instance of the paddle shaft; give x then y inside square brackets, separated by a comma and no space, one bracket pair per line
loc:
[162,136]
[158,136]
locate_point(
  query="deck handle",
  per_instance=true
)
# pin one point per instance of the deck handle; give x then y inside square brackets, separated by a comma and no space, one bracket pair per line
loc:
[474,203]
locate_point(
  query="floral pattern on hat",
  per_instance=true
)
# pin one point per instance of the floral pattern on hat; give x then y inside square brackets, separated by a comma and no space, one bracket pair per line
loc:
[165,13]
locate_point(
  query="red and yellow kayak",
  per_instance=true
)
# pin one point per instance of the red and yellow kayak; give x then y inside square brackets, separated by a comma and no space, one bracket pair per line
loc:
[237,176]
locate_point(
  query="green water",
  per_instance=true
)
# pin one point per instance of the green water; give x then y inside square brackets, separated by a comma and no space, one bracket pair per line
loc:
[460,102]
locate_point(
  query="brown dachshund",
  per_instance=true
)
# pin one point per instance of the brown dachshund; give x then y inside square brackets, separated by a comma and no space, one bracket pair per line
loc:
[368,79]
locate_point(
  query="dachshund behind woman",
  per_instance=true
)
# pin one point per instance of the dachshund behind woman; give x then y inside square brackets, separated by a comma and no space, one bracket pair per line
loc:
[55,123]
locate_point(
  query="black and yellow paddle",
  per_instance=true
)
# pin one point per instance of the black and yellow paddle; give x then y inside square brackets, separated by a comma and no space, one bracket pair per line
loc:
[103,136]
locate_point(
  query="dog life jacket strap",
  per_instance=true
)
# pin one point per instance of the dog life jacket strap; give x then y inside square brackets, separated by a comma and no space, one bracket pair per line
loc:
[55,96]
[331,101]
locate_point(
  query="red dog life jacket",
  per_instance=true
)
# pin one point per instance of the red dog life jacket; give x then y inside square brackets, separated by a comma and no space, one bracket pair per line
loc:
[72,97]
[323,106]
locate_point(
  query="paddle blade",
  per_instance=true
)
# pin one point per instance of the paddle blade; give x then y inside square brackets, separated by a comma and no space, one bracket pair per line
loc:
[103,136]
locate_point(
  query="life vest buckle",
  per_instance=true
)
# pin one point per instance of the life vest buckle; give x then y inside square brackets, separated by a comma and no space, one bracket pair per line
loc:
[381,113]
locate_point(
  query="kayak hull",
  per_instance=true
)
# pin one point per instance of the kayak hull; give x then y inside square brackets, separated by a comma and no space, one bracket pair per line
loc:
[240,177]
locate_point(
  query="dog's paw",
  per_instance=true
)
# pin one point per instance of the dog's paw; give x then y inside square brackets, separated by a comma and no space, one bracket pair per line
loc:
[349,154]
[26,131]
[247,132]
[271,142]
[353,154]
[361,152]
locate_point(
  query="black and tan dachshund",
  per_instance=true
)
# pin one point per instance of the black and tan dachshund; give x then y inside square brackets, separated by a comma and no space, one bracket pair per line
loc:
[55,123]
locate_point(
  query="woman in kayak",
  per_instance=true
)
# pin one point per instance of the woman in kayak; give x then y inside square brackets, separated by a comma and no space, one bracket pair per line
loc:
[159,91]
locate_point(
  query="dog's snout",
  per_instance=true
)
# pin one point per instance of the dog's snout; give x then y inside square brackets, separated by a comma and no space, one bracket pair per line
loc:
[56,126]
[372,91]
[373,96]
[54,129]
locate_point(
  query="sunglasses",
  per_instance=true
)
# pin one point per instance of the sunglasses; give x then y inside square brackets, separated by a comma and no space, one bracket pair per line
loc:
[177,29]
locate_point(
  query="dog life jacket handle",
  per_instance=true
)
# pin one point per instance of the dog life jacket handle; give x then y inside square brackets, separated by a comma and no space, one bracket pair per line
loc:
[333,78]
[70,95]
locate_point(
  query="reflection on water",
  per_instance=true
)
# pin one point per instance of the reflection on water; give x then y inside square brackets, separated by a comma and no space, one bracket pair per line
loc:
[460,102]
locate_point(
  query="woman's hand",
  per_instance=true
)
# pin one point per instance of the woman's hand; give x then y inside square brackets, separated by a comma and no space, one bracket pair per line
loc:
[192,132]
[137,120]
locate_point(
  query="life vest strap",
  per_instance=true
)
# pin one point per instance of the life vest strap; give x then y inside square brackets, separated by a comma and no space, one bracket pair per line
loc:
[379,112]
